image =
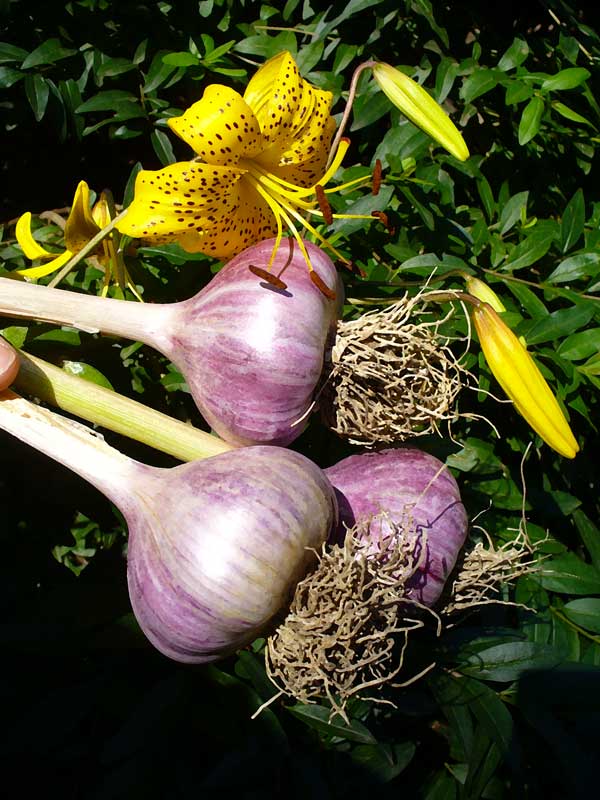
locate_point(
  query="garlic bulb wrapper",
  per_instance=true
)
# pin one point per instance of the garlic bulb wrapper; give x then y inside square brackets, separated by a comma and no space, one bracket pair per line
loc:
[413,488]
[216,546]
[210,577]
[251,354]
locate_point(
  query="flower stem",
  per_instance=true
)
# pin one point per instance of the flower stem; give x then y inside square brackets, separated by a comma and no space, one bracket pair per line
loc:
[351,94]
[86,249]
[115,412]
[69,443]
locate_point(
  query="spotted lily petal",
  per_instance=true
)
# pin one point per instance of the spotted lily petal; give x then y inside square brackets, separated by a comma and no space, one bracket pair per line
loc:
[25,238]
[80,226]
[221,127]
[194,204]
[521,379]
[420,108]
[274,94]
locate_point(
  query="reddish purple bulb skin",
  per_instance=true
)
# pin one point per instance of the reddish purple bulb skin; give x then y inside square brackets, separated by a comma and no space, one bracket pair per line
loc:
[253,354]
[393,481]
[217,546]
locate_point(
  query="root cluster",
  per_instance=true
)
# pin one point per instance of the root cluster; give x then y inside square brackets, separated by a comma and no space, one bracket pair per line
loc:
[392,377]
[349,623]
[483,571]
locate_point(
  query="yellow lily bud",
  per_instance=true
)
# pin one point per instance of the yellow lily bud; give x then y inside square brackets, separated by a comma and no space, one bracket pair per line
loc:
[519,376]
[483,292]
[420,108]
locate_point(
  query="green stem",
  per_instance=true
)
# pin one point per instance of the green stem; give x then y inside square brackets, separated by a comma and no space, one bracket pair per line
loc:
[115,412]
[351,93]
[575,627]
[544,287]
[86,249]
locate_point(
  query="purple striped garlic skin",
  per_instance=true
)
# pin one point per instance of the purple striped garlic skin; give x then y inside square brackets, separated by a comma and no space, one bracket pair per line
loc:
[401,482]
[253,354]
[217,546]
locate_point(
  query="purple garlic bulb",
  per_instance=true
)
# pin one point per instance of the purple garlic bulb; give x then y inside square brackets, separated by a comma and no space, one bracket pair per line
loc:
[406,483]
[252,354]
[216,546]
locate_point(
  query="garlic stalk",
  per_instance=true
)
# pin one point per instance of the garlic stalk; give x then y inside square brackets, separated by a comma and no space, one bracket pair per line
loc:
[215,546]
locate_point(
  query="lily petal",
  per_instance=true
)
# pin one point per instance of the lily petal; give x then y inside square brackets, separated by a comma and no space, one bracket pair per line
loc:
[45,269]
[25,238]
[274,94]
[80,226]
[250,221]
[101,212]
[221,127]
[304,160]
[522,381]
[420,108]
[181,202]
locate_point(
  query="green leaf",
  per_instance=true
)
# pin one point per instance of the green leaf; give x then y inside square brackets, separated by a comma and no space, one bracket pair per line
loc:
[531,249]
[590,535]
[15,334]
[582,265]
[443,787]
[9,76]
[317,717]
[507,661]
[584,612]
[37,91]
[444,78]
[517,92]
[87,372]
[482,765]
[382,761]
[158,74]
[580,345]
[528,299]
[480,82]
[267,46]
[558,323]
[162,147]
[564,638]
[487,197]
[514,56]
[47,53]
[110,100]
[530,120]
[568,574]
[568,113]
[512,210]
[566,79]
[113,67]
[573,221]
[10,53]
[181,59]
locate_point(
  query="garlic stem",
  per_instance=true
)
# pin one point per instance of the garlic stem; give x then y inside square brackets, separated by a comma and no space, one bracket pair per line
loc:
[87,312]
[114,411]
[72,445]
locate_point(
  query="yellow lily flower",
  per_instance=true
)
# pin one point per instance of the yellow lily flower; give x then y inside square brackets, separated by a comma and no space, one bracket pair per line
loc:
[420,108]
[79,229]
[260,166]
[83,223]
[519,376]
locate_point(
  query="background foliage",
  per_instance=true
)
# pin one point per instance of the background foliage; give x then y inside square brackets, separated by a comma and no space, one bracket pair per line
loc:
[513,706]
